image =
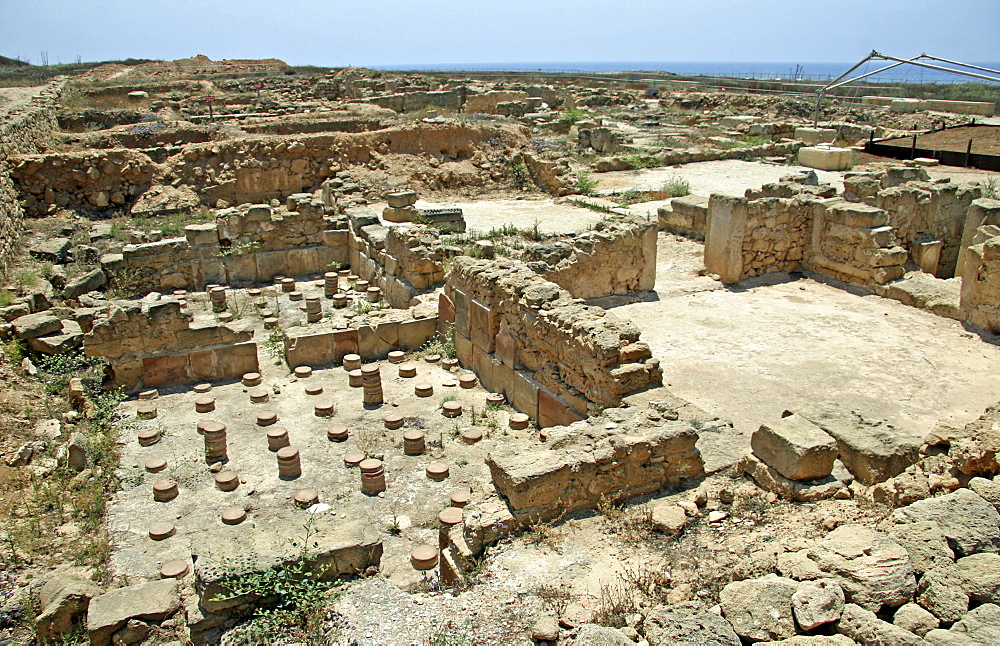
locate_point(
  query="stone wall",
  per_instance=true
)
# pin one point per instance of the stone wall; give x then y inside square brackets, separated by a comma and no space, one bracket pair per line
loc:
[239,171]
[317,345]
[250,243]
[853,243]
[752,237]
[487,102]
[24,130]
[613,258]
[586,464]
[451,100]
[154,344]
[403,260]
[685,216]
[980,298]
[555,359]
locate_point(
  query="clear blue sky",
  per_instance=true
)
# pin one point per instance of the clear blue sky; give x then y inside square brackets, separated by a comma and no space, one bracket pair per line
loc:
[387,32]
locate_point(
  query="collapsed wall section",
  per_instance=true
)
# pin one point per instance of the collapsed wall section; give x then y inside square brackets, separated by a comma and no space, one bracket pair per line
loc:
[613,258]
[250,243]
[980,296]
[25,130]
[154,344]
[555,358]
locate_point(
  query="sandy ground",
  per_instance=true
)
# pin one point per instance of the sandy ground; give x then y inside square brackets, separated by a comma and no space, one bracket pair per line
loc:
[750,351]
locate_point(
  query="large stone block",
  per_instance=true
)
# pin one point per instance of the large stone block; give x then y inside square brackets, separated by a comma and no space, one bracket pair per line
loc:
[552,412]
[415,333]
[795,447]
[525,395]
[872,451]
[236,360]
[151,601]
[461,312]
[309,349]
[826,157]
[463,350]
[164,370]
[481,327]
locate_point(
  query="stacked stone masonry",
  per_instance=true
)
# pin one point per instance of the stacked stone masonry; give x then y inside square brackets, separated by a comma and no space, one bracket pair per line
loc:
[25,130]
[250,243]
[154,344]
[554,358]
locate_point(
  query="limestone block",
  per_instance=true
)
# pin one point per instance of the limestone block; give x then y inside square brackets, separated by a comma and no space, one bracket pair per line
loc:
[825,157]
[905,105]
[813,136]
[969,522]
[461,312]
[482,327]
[401,199]
[202,235]
[39,324]
[872,451]
[857,215]
[463,350]
[309,349]
[796,448]
[864,627]
[165,370]
[760,609]
[152,601]
[415,333]
[375,342]
[799,490]
[525,395]
[235,360]
[552,412]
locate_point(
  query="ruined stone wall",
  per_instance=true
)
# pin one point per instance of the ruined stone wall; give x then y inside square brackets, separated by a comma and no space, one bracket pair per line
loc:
[317,345]
[23,130]
[613,258]
[404,261]
[980,298]
[83,180]
[487,102]
[238,171]
[154,344]
[853,243]
[752,237]
[585,465]
[555,359]
[451,100]
[251,243]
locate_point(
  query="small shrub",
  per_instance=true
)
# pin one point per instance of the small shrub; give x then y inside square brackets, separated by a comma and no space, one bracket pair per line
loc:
[991,189]
[676,187]
[572,115]
[6,298]
[585,182]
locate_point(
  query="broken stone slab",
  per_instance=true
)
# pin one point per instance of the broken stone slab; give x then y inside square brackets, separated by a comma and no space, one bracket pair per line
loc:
[815,640]
[66,340]
[769,479]
[687,624]
[872,451]
[969,522]
[760,609]
[64,602]
[873,570]
[86,283]
[35,325]
[864,627]
[54,250]
[795,447]
[980,626]
[152,601]
[988,489]
[401,199]
[667,517]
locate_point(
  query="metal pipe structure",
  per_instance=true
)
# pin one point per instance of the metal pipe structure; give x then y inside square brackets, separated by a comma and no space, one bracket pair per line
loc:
[837,82]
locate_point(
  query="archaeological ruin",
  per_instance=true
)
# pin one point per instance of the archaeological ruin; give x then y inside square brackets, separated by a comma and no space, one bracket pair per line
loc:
[618,366]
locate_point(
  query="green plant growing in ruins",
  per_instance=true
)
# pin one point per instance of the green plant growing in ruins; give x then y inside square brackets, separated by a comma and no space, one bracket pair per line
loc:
[123,284]
[443,345]
[450,633]
[296,592]
[239,248]
[584,204]
[572,115]
[362,307]
[6,298]
[585,182]
[676,187]
[991,188]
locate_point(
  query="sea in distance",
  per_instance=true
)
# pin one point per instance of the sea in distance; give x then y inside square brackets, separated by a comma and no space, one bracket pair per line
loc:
[761,71]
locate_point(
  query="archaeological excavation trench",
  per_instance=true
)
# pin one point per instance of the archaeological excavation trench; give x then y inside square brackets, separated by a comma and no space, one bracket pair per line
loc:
[345,337]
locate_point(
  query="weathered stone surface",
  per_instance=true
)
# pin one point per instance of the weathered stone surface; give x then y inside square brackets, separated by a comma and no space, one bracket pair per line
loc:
[50,249]
[969,522]
[155,601]
[872,451]
[594,635]
[865,628]
[817,602]
[913,618]
[815,640]
[687,624]
[667,517]
[795,447]
[988,489]
[84,283]
[64,601]
[67,339]
[35,325]
[980,574]
[872,569]
[940,592]
[760,609]
[769,479]
[981,626]
[545,629]
[925,543]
